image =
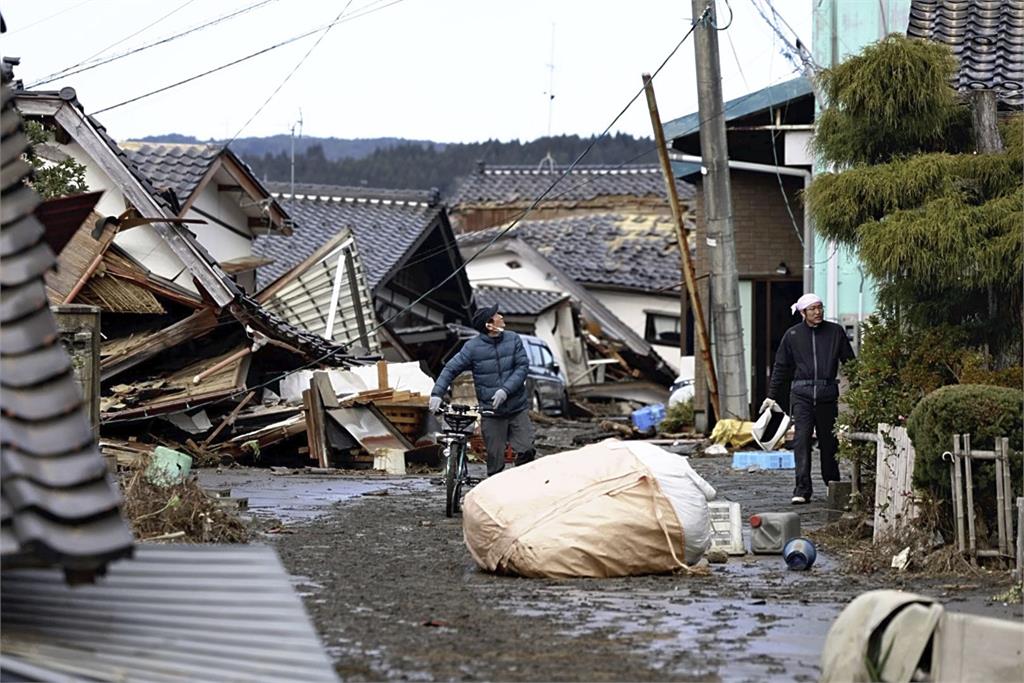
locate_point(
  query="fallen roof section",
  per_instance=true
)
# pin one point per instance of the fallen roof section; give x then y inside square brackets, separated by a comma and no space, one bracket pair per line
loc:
[57,502]
[174,613]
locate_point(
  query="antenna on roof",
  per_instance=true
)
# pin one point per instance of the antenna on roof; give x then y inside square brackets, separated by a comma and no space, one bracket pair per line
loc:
[299,124]
[548,159]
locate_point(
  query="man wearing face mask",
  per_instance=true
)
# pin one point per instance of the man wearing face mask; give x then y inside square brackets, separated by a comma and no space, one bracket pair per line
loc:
[499,364]
[808,359]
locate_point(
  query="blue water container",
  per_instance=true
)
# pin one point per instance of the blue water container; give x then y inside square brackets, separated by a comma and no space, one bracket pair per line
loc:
[647,419]
[799,554]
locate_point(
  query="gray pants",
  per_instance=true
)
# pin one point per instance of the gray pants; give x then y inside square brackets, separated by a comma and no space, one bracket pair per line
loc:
[516,430]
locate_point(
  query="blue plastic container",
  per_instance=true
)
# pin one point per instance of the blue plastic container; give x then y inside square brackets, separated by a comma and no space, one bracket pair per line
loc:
[766,460]
[649,417]
[799,554]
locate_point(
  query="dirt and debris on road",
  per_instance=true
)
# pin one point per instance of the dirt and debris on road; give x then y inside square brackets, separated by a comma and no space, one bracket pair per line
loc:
[395,594]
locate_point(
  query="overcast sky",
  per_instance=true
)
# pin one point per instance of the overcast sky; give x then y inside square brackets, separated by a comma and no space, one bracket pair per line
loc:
[443,70]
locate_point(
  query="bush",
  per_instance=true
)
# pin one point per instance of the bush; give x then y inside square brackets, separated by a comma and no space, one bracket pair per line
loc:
[986,413]
[678,417]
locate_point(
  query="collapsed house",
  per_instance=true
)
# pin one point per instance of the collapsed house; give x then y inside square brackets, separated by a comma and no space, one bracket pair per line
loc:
[61,523]
[417,289]
[603,235]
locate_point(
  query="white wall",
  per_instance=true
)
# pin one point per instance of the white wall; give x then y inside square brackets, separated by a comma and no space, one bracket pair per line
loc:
[142,242]
[222,243]
[491,269]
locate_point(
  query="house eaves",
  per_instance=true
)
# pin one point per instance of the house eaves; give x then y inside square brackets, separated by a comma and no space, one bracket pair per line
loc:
[518,301]
[65,109]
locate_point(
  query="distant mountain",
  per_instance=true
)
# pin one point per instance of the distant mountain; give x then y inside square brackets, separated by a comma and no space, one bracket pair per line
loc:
[417,164]
[333,148]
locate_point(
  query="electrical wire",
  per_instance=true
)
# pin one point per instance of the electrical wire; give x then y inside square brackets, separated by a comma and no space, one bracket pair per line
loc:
[141,30]
[322,359]
[290,74]
[83,66]
[243,59]
[48,17]
[715,26]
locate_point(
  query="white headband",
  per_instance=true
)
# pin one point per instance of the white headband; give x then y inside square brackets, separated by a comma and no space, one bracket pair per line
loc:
[805,301]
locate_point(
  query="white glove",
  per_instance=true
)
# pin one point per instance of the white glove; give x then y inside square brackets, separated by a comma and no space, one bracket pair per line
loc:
[434,406]
[769,403]
[499,397]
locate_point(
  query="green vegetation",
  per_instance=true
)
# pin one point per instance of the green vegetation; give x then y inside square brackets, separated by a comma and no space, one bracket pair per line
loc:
[678,418]
[986,413]
[50,180]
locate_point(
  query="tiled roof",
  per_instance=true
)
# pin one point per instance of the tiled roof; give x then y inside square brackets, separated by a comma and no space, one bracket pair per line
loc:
[987,36]
[175,167]
[612,249]
[514,301]
[57,501]
[512,185]
[386,224]
[313,347]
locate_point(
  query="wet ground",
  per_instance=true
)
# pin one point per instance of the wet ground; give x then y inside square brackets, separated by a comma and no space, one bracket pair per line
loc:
[395,594]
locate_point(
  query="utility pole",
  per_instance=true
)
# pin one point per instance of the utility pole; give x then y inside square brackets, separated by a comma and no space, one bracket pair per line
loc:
[725,288]
[299,124]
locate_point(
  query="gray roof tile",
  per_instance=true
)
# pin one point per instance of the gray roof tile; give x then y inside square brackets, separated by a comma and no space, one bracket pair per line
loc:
[987,36]
[515,185]
[513,301]
[175,167]
[58,505]
[385,223]
[627,251]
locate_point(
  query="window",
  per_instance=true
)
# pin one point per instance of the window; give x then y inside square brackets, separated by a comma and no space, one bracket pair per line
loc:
[662,329]
[533,351]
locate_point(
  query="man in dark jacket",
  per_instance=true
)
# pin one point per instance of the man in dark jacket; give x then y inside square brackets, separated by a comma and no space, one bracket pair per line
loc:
[808,358]
[499,365]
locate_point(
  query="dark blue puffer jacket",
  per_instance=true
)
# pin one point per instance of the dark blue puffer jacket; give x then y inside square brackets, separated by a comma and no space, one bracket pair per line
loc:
[497,363]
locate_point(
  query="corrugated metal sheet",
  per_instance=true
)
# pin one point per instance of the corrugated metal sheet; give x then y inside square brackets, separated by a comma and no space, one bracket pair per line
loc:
[173,613]
[305,302]
[58,504]
[987,37]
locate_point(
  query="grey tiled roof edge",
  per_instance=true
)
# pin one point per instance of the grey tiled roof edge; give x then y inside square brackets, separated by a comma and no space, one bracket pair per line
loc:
[58,503]
[519,185]
[517,301]
[987,37]
[179,168]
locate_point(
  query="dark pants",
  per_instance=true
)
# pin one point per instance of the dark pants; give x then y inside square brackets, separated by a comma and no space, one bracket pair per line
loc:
[809,417]
[516,430]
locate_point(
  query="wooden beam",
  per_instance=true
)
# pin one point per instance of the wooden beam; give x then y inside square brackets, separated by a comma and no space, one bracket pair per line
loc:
[222,187]
[196,325]
[229,420]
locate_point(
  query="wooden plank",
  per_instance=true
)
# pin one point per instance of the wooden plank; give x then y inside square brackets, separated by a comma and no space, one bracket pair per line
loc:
[315,425]
[307,406]
[196,325]
[322,382]
[382,374]
[229,420]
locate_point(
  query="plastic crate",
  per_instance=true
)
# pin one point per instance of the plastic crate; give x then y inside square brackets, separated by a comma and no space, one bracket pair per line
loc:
[767,460]
[726,526]
[649,417]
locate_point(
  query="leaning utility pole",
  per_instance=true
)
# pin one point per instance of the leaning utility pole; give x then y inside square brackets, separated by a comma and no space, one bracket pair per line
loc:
[725,288]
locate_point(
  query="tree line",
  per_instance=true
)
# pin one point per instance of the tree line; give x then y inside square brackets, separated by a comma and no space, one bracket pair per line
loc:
[425,165]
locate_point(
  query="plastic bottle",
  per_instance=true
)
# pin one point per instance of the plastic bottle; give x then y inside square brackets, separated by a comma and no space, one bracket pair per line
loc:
[769,531]
[799,554]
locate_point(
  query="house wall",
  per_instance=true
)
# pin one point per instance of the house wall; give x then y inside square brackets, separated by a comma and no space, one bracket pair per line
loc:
[142,242]
[223,243]
[631,308]
[765,236]
[492,269]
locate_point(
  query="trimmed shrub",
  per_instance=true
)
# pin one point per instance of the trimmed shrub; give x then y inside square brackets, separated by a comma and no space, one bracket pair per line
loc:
[986,413]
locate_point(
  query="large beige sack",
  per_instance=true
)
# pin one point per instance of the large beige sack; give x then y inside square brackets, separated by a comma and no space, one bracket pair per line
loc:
[556,518]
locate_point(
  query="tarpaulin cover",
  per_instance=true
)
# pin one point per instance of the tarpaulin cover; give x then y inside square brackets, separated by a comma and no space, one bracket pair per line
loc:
[608,509]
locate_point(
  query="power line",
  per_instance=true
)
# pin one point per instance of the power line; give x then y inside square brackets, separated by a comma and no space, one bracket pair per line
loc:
[242,59]
[48,17]
[290,74]
[141,30]
[511,226]
[83,66]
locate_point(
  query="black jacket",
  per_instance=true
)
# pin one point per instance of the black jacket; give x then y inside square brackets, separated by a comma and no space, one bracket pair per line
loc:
[809,358]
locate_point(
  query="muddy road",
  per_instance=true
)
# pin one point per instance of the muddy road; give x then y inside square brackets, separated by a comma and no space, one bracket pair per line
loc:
[395,594]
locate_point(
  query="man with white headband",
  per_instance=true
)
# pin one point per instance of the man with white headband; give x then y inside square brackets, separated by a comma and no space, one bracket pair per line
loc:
[807,361]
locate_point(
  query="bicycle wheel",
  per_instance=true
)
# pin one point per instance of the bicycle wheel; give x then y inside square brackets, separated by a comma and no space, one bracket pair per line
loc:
[461,478]
[451,482]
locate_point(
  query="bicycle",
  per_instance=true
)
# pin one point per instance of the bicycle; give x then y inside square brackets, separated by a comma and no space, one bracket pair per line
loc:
[457,419]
